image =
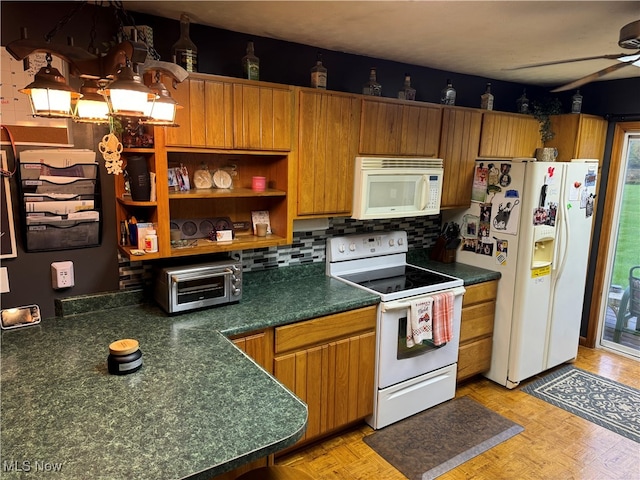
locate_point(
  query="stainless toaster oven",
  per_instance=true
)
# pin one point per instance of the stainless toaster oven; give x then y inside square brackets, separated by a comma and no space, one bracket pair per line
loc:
[182,288]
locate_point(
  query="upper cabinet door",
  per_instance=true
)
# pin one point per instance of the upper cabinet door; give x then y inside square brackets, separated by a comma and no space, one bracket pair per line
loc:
[190,118]
[262,117]
[205,117]
[578,136]
[227,114]
[398,128]
[218,109]
[328,130]
[459,150]
[420,134]
[509,135]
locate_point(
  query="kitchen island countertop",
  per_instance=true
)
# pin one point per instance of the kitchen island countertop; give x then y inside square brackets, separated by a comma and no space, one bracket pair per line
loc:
[197,408]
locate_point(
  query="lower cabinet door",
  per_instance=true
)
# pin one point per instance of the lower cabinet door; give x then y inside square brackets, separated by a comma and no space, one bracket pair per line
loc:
[334,379]
[474,358]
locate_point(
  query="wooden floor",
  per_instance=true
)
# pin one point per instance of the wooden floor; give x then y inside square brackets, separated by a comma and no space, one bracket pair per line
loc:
[555,444]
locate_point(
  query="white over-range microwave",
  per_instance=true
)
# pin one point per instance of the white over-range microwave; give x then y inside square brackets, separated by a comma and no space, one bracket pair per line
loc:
[396,187]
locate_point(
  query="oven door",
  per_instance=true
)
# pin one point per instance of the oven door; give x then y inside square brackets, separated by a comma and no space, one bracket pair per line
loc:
[397,363]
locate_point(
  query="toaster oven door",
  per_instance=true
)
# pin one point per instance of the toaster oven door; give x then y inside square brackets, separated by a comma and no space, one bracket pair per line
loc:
[190,291]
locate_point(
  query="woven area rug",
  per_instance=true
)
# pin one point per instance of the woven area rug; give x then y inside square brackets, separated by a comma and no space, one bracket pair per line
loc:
[433,442]
[604,402]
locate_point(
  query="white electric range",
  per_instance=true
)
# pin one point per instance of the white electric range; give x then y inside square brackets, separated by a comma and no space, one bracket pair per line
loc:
[407,379]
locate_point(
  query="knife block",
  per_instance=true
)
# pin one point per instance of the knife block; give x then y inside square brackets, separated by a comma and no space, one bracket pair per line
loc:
[440,252]
[449,255]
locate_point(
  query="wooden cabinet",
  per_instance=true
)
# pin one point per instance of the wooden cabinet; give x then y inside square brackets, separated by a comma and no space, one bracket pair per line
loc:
[206,116]
[262,117]
[476,329]
[151,211]
[459,143]
[224,123]
[396,127]
[259,346]
[509,135]
[578,136]
[205,205]
[225,113]
[328,130]
[329,363]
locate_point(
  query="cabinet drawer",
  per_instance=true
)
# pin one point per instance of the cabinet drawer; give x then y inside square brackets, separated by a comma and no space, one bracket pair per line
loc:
[324,329]
[480,292]
[474,358]
[477,321]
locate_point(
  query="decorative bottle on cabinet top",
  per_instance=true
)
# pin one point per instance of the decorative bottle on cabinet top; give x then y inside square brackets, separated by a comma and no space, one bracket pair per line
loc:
[407,92]
[251,64]
[576,102]
[486,99]
[319,74]
[185,52]
[372,87]
[448,96]
[522,103]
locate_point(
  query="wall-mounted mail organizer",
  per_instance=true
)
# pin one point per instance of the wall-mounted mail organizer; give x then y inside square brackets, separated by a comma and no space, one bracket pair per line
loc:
[60,199]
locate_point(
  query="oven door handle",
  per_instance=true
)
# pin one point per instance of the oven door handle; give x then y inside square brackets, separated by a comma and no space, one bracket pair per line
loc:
[181,277]
[404,303]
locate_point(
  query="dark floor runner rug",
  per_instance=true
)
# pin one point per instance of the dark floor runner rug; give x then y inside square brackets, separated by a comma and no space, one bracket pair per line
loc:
[433,442]
[604,402]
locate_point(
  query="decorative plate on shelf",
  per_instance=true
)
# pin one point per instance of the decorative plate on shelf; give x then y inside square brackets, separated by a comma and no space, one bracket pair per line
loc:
[222,179]
[202,178]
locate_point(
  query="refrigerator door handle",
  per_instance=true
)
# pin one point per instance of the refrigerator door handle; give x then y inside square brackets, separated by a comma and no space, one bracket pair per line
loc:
[565,232]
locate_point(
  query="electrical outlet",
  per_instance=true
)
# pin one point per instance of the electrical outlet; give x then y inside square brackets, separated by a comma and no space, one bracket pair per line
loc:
[62,274]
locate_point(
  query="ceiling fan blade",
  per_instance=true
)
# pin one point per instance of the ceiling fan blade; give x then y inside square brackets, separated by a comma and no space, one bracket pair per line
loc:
[593,76]
[612,56]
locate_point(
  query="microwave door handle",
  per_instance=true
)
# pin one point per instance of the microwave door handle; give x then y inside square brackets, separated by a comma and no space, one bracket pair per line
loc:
[425,192]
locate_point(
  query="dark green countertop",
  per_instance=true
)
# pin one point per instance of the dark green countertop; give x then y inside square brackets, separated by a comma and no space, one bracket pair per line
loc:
[197,408]
[468,273]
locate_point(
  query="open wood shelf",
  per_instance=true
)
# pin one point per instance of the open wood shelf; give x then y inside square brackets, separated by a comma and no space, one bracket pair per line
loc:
[241,242]
[225,193]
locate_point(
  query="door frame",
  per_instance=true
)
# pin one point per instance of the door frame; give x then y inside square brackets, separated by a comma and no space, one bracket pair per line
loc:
[604,245]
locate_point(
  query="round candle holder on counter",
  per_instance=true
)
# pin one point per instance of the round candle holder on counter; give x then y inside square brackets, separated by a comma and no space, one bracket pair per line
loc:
[124,357]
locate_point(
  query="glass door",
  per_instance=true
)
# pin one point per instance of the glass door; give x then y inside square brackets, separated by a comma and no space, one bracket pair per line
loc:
[619,322]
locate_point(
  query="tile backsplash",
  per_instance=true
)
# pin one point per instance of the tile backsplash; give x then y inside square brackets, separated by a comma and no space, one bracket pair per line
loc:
[307,246]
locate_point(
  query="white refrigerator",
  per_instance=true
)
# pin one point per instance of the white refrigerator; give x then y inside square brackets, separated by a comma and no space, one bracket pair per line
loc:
[531,221]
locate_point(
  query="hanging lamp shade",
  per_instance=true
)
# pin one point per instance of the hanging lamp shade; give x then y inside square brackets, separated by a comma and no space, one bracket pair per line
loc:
[127,95]
[49,93]
[161,111]
[91,107]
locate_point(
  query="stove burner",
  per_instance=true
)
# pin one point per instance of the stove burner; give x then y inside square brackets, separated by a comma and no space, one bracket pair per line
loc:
[395,279]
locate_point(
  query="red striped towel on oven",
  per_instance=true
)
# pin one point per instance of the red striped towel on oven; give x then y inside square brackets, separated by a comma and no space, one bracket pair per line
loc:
[419,324]
[442,318]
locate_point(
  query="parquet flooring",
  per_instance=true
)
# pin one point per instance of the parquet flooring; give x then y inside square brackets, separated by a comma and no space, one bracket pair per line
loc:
[554,445]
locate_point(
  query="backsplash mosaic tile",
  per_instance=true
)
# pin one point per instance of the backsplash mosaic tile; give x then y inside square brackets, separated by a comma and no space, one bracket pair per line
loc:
[307,247]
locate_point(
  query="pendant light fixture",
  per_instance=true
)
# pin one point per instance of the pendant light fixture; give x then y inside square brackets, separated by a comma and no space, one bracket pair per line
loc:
[49,94]
[161,111]
[127,96]
[111,88]
[91,107]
